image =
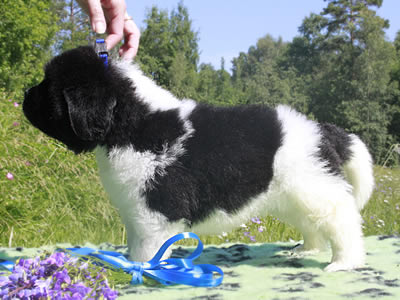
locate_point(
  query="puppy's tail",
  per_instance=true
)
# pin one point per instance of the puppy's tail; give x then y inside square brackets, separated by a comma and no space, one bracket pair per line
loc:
[359,171]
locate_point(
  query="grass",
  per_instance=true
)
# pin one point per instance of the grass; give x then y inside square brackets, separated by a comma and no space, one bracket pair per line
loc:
[56,196]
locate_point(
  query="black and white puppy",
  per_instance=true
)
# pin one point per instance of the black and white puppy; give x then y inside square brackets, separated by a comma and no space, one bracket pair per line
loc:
[173,165]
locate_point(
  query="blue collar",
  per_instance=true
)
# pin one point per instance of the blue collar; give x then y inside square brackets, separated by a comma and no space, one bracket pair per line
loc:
[100,47]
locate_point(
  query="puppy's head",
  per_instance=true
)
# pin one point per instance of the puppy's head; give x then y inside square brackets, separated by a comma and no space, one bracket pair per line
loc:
[74,103]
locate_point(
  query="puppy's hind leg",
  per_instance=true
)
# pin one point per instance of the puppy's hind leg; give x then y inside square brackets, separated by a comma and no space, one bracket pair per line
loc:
[343,229]
[329,213]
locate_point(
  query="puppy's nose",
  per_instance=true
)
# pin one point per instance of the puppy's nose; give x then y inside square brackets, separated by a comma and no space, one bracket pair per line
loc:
[30,93]
[28,99]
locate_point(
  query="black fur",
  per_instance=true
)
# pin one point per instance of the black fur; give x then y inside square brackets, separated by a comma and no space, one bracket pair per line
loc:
[75,82]
[228,161]
[334,147]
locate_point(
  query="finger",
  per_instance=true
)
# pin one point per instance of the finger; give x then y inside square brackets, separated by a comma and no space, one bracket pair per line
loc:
[131,40]
[96,15]
[115,16]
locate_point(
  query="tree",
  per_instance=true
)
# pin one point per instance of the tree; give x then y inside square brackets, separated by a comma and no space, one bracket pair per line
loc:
[27,30]
[394,127]
[206,90]
[182,77]
[225,92]
[183,38]
[216,86]
[169,50]
[347,62]
[74,26]
[262,79]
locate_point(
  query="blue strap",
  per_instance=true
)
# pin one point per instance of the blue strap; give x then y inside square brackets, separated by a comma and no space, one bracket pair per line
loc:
[168,271]
[101,49]
[6,264]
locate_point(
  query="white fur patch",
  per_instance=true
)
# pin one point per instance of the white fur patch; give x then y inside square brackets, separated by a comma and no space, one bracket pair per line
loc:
[319,204]
[359,172]
[124,174]
[157,98]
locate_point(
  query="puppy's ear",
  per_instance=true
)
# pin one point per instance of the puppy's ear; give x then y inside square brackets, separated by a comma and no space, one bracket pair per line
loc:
[90,112]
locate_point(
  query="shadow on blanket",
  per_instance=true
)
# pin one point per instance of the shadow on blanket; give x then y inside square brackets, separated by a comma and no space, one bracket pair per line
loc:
[259,255]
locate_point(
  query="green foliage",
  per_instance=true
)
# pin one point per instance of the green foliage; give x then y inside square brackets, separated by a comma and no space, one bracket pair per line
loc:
[74,26]
[346,64]
[169,50]
[382,213]
[27,30]
[206,89]
[394,127]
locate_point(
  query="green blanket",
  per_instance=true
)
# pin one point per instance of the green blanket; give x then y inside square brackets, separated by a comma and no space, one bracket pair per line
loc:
[273,271]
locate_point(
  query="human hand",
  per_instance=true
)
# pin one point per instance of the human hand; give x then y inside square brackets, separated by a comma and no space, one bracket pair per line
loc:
[110,16]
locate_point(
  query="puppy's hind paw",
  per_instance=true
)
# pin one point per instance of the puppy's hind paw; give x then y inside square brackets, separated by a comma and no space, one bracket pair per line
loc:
[339,266]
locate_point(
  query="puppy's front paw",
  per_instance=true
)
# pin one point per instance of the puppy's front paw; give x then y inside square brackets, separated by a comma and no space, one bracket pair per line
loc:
[145,254]
[302,250]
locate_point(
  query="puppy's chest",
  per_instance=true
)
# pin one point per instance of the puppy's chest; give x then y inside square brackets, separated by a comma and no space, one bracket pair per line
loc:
[127,173]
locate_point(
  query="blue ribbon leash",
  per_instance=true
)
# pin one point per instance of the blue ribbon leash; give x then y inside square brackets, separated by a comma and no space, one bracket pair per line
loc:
[168,271]
[7,265]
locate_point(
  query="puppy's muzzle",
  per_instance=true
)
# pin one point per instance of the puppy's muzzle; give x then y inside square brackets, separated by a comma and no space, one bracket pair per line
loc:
[30,106]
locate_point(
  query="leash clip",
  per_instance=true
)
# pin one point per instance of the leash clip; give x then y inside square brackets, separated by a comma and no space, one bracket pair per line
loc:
[100,47]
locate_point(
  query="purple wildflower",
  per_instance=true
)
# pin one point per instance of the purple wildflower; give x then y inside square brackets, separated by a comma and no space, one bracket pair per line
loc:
[256,220]
[62,277]
[4,281]
[109,294]
[50,279]
[80,288]
[4,293]
[83,266]
[10,176]
[43,285]
[252,238]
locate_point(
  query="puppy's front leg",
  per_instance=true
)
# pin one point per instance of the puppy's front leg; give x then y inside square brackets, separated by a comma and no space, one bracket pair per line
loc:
[144,240]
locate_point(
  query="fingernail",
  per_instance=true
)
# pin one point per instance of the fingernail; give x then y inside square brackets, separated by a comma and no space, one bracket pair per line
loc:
[100,27]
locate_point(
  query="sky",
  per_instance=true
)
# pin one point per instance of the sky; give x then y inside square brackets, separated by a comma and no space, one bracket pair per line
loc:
[228,27]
